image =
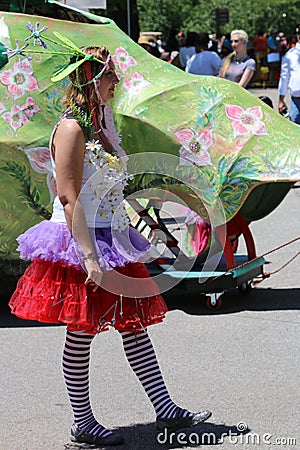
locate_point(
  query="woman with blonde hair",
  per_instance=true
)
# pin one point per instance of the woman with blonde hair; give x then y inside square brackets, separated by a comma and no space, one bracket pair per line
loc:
[238,66]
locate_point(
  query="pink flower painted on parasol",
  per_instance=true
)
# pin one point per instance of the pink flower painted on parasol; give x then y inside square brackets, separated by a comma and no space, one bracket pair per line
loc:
[19,79]
[246,121]
[16,118]
[136,83]
[40,161]
[195,146]
[30,108]
[122,59]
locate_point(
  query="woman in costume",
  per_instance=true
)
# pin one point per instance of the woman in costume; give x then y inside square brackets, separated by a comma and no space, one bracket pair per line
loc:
[238,66]
[84,259]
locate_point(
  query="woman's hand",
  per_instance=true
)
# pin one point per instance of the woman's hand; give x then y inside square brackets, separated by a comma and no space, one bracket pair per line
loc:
[94,274]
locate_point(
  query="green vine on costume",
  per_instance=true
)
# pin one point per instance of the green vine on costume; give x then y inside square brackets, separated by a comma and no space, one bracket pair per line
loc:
[83,118]
[30,193]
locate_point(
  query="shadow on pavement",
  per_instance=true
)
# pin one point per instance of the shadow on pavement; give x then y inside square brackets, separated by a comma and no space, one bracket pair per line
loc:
[144,436]
[233,301]
[191,303]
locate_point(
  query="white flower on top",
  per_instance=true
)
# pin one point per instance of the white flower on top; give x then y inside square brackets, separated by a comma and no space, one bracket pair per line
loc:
[93,146]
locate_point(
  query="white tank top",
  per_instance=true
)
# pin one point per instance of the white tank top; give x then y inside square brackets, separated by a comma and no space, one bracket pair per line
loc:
[103,181]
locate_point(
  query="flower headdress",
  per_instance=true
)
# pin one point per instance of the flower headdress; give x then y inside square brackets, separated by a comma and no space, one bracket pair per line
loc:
[77,57]
[71,50]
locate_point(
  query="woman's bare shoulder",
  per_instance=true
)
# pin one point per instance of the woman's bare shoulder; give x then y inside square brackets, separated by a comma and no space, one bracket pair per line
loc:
[69,137]
[69,125]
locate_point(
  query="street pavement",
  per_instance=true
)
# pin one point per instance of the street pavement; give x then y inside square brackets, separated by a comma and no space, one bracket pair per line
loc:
[242,362]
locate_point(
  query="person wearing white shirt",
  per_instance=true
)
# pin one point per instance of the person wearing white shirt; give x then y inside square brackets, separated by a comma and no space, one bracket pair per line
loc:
[204,62]
[290,80]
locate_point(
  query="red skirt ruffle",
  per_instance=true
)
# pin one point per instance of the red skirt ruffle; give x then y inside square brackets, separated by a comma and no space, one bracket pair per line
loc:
[53,292]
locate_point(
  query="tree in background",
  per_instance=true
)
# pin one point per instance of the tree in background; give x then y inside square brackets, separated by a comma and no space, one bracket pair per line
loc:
[117,11]
[199,15]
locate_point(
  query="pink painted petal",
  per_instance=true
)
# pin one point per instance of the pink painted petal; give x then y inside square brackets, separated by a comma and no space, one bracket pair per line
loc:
[204,159]
[30,108]
[2,108]
[238,127]
[5,77]
[205,138]
[200,159]
[123,66]
[259,128]
[24,66]
[16,125]
[137,77]
[16,109]
[256,112]
[31,83]
[127,84]
[132,61]
[185,136]
[7,117]
[39,158]
[233,111]
[16,91]
[121,51]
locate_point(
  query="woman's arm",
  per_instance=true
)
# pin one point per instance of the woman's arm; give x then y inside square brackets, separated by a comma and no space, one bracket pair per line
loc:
[69,148]
[246,77]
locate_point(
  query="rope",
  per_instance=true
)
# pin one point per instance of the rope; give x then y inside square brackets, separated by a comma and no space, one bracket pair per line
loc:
[258,257]
[286,264]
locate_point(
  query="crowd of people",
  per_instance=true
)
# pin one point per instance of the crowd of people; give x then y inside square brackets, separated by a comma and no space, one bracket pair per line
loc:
[269,59]
[266,48]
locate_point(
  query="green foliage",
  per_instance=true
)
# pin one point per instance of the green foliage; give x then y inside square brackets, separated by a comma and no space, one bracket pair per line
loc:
[83,118]
[28,192]
[199,15]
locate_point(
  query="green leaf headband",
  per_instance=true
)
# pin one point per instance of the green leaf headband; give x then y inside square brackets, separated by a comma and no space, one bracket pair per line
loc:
[72,51]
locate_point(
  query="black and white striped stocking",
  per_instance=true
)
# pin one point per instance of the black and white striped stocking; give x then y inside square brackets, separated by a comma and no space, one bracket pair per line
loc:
[142,359]
[75,362]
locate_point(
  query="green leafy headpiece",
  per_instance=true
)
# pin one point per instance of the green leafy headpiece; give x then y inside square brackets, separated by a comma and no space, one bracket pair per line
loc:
[71,50]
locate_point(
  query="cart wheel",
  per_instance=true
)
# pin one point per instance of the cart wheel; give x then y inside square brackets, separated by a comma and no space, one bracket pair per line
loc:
[245,288]
[213,303]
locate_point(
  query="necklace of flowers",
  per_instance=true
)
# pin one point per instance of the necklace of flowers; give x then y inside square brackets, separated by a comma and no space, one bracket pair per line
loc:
[109,185]
[100,158]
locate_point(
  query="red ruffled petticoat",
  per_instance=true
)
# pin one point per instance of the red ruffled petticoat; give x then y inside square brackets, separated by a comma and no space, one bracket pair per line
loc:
[53,292]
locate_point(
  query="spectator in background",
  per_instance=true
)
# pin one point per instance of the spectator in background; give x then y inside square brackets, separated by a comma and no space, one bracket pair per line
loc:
[149,44]
[188,49]
[213,44]
[204,62]
[261,48]
[172,42]
[273,57]
[238,66]
[290,80]
[226,47]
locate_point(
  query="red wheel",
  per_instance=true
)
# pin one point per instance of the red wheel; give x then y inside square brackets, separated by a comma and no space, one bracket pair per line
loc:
[213,304]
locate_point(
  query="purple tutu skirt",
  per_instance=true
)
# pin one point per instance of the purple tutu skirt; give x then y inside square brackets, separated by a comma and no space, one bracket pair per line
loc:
[53,241]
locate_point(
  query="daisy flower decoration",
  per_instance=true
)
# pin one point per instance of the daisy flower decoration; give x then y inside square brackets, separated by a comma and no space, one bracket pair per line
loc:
[93,146]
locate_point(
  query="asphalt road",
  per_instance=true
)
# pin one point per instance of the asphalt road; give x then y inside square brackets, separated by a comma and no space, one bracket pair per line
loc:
[241,362]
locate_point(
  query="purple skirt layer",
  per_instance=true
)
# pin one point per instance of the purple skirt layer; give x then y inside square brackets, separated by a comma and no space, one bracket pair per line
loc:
[53,241]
